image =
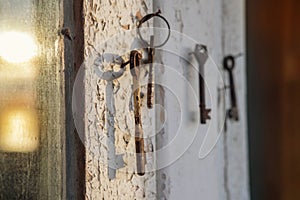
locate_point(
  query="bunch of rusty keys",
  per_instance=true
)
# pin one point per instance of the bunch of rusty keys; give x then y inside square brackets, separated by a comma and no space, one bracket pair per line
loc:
[201,56]
[229,64]
[135,62]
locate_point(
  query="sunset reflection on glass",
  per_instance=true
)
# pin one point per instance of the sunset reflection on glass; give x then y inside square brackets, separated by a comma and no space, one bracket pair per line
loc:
[17,47]
[19,131]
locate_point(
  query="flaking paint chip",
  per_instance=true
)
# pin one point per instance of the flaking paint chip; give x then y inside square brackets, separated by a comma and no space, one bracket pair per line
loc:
[126,27]
[138,15]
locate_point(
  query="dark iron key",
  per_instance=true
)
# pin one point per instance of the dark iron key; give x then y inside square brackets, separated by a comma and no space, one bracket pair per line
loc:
[229,64]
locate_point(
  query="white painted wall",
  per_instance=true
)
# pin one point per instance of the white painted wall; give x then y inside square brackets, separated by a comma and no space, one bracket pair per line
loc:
[222,174]
[235,140]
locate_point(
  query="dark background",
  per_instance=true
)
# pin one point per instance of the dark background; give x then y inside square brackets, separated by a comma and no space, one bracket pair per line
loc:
[273,68]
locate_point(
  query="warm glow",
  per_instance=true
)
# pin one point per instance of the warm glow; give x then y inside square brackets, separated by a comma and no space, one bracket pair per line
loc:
[19,131]
[17,47]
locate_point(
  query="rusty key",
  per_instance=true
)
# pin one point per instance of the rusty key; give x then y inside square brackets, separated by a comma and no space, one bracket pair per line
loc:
[135,62]
[151,51]
[229,64]
[150,88]
[201,56]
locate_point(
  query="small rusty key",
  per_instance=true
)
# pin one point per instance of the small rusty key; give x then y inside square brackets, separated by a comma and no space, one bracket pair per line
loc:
[151,51]
[229,64]
[135,62]
[201,56]
[150,88]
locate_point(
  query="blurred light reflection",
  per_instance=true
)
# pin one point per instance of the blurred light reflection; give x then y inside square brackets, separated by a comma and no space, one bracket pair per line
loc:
[19,130]
[17,47]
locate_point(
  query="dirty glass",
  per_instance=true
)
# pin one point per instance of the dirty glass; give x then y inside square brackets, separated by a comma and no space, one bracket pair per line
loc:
[31,100]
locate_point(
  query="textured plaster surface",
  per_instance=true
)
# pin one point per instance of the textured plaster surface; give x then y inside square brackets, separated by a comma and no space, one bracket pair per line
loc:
[109,107]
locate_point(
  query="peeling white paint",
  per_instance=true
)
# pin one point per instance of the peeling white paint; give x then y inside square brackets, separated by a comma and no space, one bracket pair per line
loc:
[108,109]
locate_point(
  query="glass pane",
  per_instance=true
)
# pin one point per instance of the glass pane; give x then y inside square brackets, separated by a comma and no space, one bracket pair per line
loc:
[31,100]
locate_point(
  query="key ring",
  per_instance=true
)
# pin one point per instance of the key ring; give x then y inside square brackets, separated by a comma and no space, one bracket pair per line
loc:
[148,17]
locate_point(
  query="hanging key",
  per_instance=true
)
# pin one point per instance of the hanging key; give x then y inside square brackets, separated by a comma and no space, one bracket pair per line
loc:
[135,62]
[201,56]
[150,52]
[229,64]
[150,87]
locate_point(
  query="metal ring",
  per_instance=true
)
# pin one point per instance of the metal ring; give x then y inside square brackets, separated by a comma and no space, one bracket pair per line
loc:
[146,18]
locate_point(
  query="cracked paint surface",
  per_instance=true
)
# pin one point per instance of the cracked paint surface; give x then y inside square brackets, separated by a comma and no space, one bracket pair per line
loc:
[109,111]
